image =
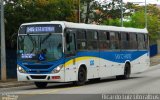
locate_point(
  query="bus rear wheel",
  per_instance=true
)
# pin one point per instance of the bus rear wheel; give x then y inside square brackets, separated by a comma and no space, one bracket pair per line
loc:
[41,84]
[127,73]
[81,77]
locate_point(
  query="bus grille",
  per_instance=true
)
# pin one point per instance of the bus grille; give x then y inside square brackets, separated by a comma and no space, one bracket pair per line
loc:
[38,77]
[38,66]
[38,72]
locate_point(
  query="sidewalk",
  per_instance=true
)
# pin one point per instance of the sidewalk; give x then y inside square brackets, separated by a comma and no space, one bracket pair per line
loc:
[14,83]
[155,60]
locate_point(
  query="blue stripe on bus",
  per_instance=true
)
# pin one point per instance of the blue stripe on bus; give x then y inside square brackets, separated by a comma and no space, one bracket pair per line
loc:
[119,57]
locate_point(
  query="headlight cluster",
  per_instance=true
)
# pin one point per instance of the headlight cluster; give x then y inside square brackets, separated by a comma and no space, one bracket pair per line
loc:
[20,69]
[57,69]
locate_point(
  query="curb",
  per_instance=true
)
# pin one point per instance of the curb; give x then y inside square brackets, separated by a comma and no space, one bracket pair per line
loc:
[14,84]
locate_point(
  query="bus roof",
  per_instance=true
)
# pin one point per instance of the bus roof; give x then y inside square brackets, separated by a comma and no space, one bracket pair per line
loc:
[92,26]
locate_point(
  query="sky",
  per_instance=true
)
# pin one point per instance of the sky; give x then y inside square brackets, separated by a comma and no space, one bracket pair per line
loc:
[141,2]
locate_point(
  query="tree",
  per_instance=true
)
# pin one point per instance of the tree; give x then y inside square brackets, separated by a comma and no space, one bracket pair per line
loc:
[23,11]
[153,20]
[88,7]
[112,22]
[138,21]
[112,9]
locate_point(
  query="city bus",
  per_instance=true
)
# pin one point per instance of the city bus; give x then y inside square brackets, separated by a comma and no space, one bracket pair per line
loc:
[59,51]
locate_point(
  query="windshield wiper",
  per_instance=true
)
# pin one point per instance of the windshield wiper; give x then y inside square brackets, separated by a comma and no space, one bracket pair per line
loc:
[45,38]
[33,42]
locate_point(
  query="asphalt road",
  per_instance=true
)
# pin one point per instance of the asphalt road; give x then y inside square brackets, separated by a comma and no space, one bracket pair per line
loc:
[147,82]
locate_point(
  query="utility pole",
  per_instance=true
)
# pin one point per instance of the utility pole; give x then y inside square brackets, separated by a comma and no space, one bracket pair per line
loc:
[3,47]
[121,13]
[78,12]
[145,14]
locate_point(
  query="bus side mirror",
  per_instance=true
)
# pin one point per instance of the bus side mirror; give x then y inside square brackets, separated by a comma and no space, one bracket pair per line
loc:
[68,38]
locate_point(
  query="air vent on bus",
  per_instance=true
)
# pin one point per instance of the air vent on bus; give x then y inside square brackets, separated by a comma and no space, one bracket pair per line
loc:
[38,77]
[38,66]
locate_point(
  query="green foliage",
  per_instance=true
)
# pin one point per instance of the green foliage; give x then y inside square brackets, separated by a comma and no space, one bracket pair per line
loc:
[137,20]
[112,22]
[153,28]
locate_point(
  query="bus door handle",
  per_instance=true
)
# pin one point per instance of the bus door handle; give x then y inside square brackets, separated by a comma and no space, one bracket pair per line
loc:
[105,65]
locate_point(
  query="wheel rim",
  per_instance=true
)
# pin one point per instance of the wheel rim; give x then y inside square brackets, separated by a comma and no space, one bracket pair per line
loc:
[81,76]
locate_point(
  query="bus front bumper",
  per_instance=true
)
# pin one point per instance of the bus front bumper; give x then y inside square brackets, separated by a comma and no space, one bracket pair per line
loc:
[58,77]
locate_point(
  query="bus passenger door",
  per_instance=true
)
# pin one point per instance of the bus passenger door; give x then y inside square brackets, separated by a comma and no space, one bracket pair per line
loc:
[70,55]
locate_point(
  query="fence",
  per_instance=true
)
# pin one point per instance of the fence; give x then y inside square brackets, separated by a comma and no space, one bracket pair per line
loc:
[11,61]
[153,50]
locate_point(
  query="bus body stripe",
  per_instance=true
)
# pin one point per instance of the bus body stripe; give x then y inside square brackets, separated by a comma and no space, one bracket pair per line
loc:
[111,57]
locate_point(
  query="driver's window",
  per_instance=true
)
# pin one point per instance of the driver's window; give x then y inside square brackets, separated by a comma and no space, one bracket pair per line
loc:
[70,41]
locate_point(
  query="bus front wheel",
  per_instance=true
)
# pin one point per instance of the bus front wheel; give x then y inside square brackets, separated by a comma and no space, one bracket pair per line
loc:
[41,84]
[81,77]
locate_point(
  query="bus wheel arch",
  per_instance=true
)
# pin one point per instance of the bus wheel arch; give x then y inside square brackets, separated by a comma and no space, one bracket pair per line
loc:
[127,71]
[82,75]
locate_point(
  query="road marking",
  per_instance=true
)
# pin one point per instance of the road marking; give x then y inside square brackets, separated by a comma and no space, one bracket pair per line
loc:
[58,90]
[51,91]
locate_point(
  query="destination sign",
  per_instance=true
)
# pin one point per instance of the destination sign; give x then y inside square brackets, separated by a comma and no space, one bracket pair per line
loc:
[40,29]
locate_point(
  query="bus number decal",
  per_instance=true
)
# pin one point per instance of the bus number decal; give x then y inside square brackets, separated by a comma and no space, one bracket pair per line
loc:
[123,56]
[91,62]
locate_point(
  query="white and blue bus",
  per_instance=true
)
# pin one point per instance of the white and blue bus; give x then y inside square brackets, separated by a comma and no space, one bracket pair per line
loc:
[59,51]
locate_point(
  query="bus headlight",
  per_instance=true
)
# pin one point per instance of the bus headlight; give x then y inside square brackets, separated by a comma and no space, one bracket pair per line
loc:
[57,69]
[20,69]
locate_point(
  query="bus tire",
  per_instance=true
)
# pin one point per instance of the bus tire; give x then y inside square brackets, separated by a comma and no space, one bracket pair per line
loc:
[127,72]
[40,84]
[81,77]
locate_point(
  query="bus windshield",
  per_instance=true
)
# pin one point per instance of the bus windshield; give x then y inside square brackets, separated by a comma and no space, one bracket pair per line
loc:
[39,47]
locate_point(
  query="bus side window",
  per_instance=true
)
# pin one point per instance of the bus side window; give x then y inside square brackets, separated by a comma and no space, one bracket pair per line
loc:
[124,40]
[92,40]
[70,42]
[104,40]
[117,40]
[108,36]
[112,40]
[146,41]
[81,39]
[141,42]
[133,41]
